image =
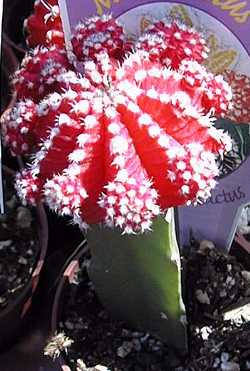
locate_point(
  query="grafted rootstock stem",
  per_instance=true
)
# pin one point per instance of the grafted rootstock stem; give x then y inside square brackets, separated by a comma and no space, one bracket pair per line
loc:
[138,279]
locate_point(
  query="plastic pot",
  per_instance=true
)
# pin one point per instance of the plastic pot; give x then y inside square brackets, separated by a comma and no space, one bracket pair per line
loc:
[66,280]
[15,315]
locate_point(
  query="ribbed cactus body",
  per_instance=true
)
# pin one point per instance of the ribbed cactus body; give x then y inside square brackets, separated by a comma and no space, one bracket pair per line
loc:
[170,43]
[98,35]
[39,72]
[127,139]
[140,134]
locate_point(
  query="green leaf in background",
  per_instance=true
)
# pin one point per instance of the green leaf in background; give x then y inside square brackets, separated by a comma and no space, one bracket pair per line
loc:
[240,134]
[138,279]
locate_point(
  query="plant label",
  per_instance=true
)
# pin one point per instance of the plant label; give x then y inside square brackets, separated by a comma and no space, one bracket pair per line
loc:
[217,219]
[224,23]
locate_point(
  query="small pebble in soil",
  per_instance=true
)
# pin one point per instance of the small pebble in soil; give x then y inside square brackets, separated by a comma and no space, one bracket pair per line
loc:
[125,349]
[4,244]
[246,275]
[24,217]
[202,296]
[80,365]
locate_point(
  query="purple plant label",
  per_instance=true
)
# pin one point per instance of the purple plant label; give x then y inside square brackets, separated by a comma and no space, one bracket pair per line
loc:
[225,23]
[217,219]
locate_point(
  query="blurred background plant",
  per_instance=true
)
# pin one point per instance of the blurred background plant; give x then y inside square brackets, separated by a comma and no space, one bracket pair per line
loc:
[13,43]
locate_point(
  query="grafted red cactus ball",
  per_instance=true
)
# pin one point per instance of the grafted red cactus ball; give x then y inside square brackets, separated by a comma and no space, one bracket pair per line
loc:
[131,136]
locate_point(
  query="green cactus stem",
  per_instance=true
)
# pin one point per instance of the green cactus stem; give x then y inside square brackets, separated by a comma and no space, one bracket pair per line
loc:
[138,279]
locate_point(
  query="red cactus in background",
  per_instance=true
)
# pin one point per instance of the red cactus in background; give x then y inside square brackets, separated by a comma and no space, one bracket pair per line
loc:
[100,35]
[240,85]
[21,121]
[171,43]
[44,26]
[39,71]
[127,140]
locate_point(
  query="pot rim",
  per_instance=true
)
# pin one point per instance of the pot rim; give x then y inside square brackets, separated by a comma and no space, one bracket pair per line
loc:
[43,244]
[67,277]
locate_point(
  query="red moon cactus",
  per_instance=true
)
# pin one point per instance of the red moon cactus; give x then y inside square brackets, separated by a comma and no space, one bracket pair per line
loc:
[44,26]
[130,138]
[39,72]
[240,85]
[171,43]
[100,34]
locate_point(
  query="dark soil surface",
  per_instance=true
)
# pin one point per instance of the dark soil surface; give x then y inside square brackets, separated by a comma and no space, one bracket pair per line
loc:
[98,339]
[218,314]
[19,246]
[218,308]
[242,256]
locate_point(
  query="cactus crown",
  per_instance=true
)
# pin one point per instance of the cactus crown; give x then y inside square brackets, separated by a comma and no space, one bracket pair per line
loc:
[131,136]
